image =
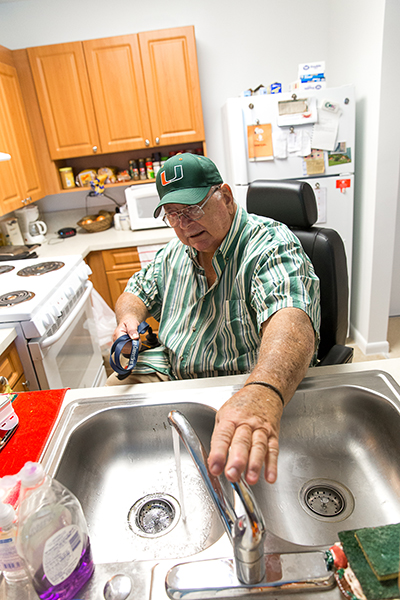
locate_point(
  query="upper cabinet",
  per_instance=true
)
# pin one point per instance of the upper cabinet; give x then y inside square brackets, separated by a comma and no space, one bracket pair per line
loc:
[171,75]
[120,93]
[19,177]
[65,100]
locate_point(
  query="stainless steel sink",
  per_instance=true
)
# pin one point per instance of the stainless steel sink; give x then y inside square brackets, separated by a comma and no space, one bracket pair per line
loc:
[339,468]
[119,461]
[339,461]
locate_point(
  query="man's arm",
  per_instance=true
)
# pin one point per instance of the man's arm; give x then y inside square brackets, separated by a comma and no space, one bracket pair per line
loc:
[130,312]
[247,425]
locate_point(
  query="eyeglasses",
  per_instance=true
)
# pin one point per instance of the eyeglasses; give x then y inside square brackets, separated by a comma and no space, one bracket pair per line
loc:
[193,213]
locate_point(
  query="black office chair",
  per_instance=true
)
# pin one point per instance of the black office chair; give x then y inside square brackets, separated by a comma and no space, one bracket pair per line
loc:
[293,203]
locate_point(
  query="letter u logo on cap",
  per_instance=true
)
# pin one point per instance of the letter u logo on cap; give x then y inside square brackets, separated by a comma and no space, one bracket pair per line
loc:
[178,170]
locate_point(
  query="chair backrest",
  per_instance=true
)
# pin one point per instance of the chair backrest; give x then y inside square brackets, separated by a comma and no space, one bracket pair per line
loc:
[293,203]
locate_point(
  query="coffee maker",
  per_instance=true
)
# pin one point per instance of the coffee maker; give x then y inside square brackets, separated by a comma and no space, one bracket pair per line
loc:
[33,230]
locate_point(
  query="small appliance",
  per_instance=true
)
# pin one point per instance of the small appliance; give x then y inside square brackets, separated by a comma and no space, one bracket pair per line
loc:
[141,201]
[33,230]
[12,233]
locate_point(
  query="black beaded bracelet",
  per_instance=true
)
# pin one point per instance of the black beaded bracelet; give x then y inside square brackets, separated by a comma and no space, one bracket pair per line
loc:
[268,385]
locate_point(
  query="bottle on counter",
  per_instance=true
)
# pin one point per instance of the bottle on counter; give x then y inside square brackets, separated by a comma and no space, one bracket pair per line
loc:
[11,563]
[52,535]
[149,168]
[134,170]
[156,162]
[142,169]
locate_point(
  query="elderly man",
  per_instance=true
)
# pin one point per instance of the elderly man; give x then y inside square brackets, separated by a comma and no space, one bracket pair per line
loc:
[234,293]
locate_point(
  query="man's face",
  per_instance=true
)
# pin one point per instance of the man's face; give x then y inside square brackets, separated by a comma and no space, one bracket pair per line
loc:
[206,234]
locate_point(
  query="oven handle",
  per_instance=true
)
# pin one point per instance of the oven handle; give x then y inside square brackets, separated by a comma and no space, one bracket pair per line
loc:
[54,338]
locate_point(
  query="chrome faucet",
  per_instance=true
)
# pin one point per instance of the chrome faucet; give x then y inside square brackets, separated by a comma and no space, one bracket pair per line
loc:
[246,532]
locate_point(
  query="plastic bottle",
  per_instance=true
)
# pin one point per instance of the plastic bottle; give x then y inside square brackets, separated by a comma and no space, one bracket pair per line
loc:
[11,563]
[52,536]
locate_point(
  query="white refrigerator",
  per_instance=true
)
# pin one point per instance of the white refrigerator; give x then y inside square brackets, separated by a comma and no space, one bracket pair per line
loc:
[309,136]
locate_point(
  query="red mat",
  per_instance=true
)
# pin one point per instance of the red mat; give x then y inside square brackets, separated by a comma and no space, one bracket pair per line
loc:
[37,413]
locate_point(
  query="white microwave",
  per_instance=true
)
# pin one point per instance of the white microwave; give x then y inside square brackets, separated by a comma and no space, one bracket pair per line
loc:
[141,201]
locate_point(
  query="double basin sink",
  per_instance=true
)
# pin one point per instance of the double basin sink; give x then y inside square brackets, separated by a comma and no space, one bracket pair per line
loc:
[339,468]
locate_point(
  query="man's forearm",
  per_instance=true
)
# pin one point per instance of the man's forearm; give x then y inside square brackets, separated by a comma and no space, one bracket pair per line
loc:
[286,350]
[128,305]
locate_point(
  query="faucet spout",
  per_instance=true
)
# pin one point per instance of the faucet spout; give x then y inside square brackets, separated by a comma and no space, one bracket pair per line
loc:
[246,532]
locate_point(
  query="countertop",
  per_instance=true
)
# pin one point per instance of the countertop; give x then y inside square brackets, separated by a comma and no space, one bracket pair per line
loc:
[390,366]
[84,242]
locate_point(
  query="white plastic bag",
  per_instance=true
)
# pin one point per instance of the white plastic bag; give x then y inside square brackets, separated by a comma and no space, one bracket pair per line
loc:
[104,318]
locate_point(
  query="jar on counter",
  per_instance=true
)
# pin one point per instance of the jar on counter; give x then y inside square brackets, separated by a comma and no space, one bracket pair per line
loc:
[67,177]
[149,168]
[134,170]
[142,169]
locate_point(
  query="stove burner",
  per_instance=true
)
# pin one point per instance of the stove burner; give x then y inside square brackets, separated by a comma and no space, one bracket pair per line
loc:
[40,268]
[17,297]
[6,269]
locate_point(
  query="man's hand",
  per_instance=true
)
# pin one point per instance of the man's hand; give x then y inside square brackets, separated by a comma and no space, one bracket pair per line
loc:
[130,312]
[246,430]
[247,427]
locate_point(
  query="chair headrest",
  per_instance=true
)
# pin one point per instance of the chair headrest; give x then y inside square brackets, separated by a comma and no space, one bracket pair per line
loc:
[290,202]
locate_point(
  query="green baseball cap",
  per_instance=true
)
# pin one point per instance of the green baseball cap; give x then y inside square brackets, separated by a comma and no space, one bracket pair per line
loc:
[185,179]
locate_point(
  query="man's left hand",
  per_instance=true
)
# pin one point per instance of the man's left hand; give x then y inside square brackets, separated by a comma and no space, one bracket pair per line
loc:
[247,432]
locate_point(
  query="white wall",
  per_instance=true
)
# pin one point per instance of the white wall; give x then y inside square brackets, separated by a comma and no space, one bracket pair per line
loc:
[238,50]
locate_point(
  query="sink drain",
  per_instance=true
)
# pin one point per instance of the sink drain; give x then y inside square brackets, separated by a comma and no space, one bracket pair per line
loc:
[154,515]
[326,500]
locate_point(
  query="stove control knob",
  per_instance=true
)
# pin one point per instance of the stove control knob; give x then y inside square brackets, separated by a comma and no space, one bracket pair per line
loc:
[82,276]
[48,320]
[69,292]
[55,311]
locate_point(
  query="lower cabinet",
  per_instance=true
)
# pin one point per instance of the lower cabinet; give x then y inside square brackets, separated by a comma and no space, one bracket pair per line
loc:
[111,270]
[11,369]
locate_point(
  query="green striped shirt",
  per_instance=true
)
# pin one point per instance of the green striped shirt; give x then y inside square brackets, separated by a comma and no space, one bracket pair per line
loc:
[206,332]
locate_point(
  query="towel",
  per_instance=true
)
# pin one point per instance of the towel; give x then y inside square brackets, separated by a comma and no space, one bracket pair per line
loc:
[37,412]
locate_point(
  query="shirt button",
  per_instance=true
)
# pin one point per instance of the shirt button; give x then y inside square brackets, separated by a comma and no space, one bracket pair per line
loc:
[193,327]
[181,358]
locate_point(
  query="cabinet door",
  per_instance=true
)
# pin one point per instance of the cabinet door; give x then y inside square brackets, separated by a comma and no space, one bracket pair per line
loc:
[63,90]
[169,61]
[119,96]
[11,369]
[19,177]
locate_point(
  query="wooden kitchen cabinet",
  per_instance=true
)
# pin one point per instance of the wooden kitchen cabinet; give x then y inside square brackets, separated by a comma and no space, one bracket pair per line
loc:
[65,100]
[111,270]
[121,93]
[11,369]
[171,75]
[20,181]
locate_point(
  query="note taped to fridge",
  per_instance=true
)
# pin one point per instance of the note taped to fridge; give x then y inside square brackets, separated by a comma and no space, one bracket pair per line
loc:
[259,142]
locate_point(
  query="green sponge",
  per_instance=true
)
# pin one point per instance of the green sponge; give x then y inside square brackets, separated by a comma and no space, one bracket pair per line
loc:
[372,587]
[381,547]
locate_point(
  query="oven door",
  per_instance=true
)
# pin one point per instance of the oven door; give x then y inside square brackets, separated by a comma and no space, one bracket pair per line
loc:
[71,358]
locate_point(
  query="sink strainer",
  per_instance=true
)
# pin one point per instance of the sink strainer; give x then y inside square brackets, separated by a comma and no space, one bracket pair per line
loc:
[326,500]
[154,515]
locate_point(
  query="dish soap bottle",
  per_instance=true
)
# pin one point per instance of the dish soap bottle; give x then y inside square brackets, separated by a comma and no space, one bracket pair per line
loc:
[11,563]
[52,535]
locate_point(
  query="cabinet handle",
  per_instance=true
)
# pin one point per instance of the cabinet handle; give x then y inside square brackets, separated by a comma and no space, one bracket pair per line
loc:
[147,142]
[94,149]
[25,385]
[157,140]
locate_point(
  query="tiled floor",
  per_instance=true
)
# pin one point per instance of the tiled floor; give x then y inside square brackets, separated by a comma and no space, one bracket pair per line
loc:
[393,339]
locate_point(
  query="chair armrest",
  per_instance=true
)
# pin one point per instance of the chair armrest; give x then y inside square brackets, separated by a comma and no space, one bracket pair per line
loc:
[337,355]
